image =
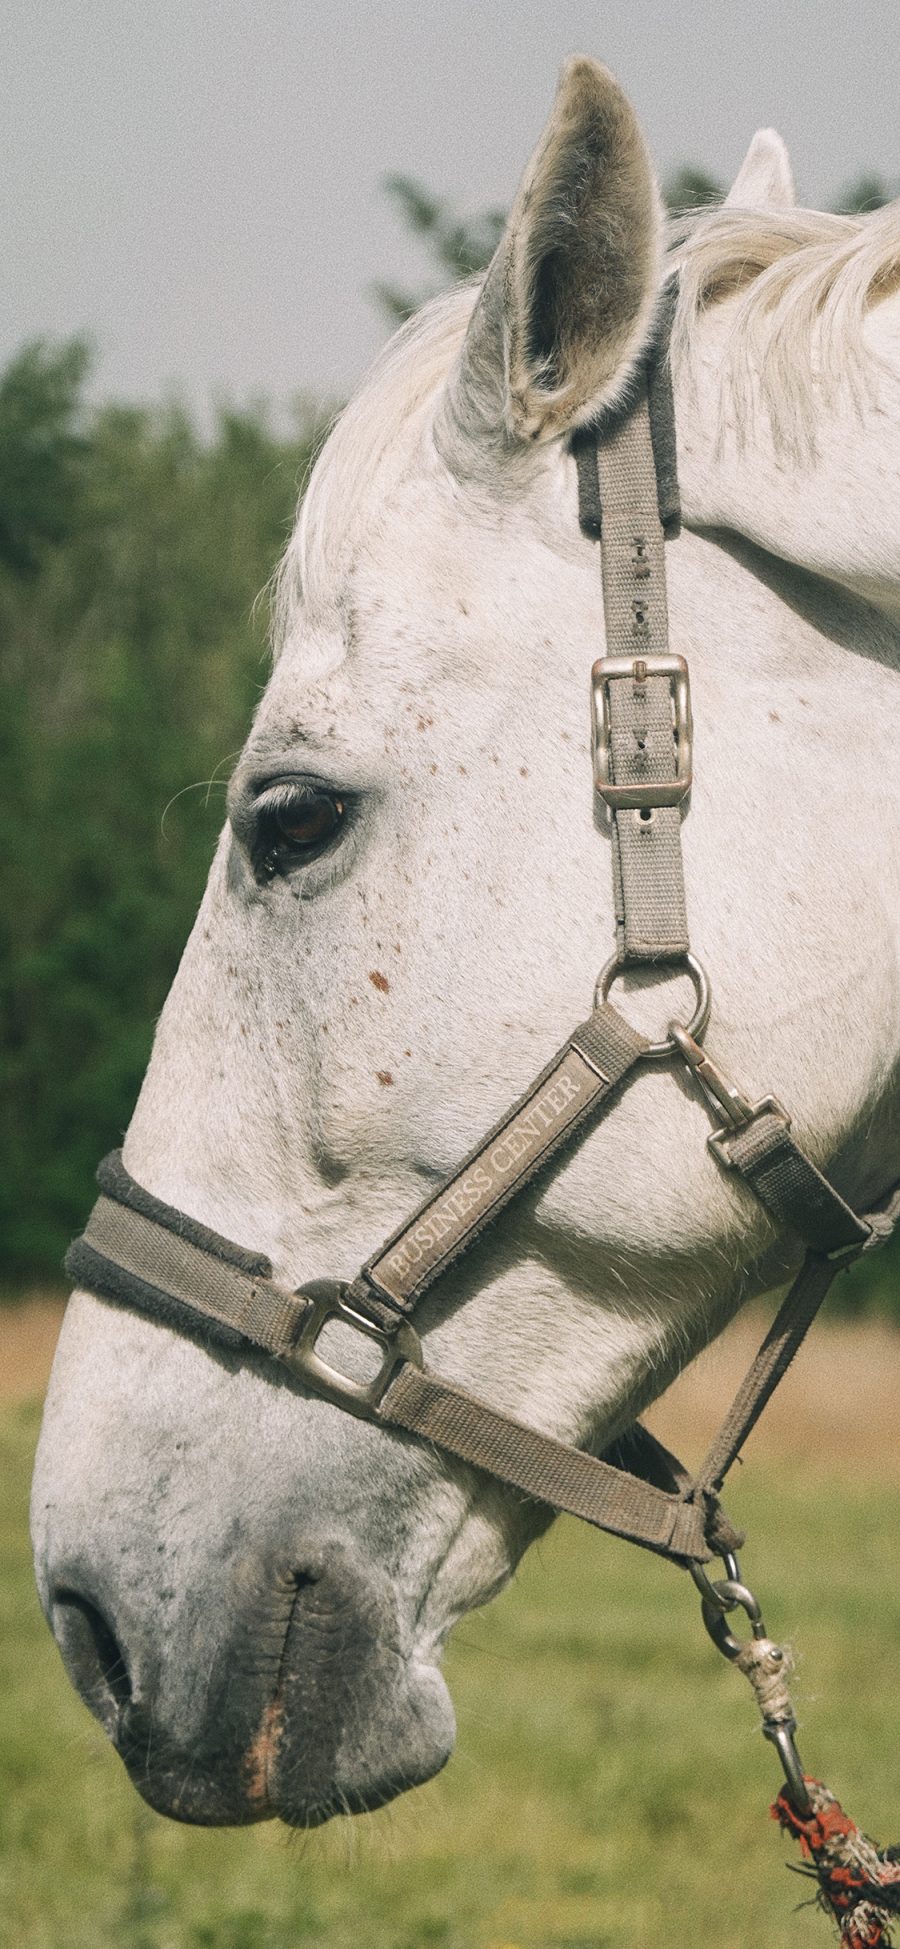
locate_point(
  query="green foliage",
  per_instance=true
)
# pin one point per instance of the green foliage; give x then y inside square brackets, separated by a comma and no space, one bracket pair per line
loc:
[132,552]
[610,1785]
[41,453]
[689,188]
[867,192]
[460,246]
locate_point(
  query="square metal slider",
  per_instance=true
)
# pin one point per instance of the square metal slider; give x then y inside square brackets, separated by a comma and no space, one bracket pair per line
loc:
[362,1397]
[636,669]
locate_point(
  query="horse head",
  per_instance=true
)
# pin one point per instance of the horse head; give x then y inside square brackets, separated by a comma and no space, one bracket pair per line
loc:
[406,912]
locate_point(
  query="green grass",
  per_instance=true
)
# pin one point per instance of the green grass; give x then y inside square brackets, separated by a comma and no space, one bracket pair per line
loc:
[609,1789]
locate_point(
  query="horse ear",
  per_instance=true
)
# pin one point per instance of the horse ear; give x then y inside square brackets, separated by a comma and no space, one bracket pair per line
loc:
[765,180]
[568,301]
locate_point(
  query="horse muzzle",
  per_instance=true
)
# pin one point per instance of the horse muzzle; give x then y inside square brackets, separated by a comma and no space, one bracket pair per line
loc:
[302,1704]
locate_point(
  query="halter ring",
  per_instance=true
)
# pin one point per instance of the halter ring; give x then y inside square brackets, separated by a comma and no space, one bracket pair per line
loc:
[658,1051]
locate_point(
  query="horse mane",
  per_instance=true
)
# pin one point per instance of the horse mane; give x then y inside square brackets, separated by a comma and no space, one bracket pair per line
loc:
[803,281]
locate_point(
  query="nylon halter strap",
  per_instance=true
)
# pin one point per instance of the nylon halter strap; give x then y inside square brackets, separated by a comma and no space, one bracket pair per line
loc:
[140,1252]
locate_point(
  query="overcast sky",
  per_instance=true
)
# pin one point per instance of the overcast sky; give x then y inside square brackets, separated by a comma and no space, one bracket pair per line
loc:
[198,183]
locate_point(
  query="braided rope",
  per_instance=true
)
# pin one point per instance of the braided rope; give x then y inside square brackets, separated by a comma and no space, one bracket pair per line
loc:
[859,1884]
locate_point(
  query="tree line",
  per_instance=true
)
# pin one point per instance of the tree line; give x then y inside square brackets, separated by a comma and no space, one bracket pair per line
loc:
[132,552]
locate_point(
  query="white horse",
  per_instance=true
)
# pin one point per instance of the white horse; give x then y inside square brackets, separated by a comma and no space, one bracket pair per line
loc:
[406,914]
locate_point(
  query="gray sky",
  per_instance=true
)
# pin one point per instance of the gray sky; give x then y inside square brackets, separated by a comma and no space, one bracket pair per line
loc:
[197,183]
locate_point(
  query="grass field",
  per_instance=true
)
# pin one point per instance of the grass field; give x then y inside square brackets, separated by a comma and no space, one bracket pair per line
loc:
[609,1790]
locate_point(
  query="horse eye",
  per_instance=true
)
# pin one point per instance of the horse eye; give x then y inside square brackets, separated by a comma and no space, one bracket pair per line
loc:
[287,822]
[309,822]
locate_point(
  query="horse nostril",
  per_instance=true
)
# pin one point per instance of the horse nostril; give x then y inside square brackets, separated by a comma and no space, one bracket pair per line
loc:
[92,1656]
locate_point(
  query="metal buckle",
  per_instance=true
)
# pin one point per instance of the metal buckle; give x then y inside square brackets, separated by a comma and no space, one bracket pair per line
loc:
[670,791]
[364,1398]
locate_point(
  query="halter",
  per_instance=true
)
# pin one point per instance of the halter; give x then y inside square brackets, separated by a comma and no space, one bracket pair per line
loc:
[145,1254]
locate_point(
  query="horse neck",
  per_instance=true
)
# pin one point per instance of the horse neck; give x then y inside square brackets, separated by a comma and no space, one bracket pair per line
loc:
[811,480]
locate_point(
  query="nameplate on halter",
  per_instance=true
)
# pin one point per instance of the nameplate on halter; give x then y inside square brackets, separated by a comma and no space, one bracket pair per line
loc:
[515,1149]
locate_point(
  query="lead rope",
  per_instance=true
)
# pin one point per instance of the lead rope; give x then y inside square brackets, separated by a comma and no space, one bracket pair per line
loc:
[858,1884]
[642,739]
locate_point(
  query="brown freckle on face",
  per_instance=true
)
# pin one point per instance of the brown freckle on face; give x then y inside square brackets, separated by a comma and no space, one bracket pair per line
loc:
[462,771]
[385,1078]
[523,771]
[407,1052]
[379,981]
[397,948]
[424,723]
[774,717]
